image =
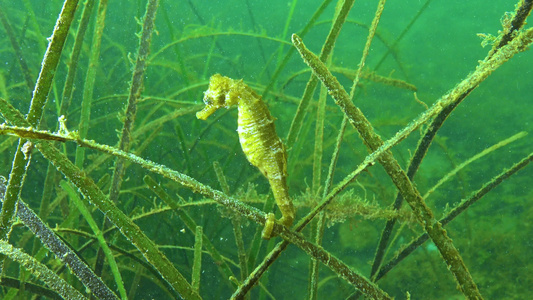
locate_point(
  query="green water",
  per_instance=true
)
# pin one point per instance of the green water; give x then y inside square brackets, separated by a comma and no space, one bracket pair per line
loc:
[431,45]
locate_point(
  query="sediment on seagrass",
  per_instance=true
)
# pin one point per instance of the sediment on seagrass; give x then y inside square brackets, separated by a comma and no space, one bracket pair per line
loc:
[436,123]
[56,245]
[90,190]
[40,271]
[400,179]
[461,207]
[40,93]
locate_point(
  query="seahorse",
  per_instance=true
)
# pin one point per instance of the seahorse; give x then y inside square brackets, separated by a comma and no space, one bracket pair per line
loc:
[257,135]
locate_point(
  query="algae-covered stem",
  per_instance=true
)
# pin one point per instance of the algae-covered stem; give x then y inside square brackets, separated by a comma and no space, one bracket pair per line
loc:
[400,179]
[373,141]
[39,270]
[461,207]
[137,237]
[131,111]
[464,89]
[90,190]
[134,94]
[40,94]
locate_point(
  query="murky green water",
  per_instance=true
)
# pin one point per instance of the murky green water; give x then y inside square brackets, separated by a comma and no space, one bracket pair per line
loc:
[430,46]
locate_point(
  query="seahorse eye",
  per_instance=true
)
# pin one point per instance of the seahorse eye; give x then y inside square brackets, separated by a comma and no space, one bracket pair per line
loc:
[221,99]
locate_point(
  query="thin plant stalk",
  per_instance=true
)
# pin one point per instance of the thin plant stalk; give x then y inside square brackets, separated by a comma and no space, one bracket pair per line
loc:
[189,222]
[55,244]
[18,51]
[235,221]
[40,271]
[366,49]
[131,108]
[90,78]
[402,34]
[471,160]
[197,261]
[68,88]
[318,230]
[291,50]
[87,99]
[286,29]
[41,40]
[334,32]
[134,94]
[82,207]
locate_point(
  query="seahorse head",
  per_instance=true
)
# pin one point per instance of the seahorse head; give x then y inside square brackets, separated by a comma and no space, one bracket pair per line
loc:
[219,94]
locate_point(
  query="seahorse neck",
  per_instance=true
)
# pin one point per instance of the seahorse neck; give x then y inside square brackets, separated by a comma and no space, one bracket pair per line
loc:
[247,96]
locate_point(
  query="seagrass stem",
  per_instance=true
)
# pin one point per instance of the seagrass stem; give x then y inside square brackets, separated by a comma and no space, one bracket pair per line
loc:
[459,94]
[40,271]
[40,94]
[54,243]
[90,190]
[425,216]
[456,211]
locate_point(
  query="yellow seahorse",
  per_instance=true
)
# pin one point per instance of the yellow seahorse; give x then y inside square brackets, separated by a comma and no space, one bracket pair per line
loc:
[257,134]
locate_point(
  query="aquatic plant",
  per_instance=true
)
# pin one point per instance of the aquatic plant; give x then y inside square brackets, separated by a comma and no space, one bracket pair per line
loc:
[171,208]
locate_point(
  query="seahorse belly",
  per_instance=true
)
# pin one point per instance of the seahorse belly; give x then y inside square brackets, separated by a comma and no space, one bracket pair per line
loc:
[264,149]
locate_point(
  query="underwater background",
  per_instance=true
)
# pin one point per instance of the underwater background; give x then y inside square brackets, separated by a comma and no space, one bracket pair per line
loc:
[177,237]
